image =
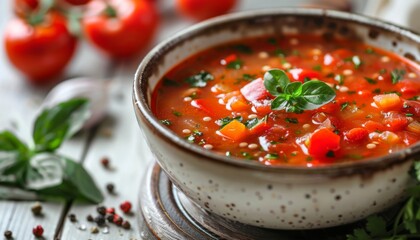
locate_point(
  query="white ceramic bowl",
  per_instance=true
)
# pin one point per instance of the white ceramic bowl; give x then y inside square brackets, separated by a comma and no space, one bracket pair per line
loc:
[279,197]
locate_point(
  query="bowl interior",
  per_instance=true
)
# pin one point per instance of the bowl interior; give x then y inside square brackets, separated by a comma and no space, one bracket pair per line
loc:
[329,24]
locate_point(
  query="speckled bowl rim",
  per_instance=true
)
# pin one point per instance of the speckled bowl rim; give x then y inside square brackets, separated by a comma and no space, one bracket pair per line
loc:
[142,109]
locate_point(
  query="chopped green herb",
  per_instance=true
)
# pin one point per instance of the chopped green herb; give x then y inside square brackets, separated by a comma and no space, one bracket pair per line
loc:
[169,82]
[254,122]
[376,91]
[414,98]
[292,120]
[272,41]
[200,79]
[197,133]
[356,61]
[390,92]
[166,122]
[339,78]
[371,80]
[246,155]
[329,75]
[369,116]
[397,75]
[369,51]
[309,159]
[330,154]
[293,154]
[192,137]
[193,95]
[351,92]
[279,52]
[295,96]
[176,113]
[242,48]
[344,105]
[272,156]
[382,71]
[408,114]
[317,68]
[237,64]
[249,77]
[295,52]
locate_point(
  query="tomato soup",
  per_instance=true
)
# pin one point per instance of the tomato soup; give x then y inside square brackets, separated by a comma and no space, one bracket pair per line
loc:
[297,100]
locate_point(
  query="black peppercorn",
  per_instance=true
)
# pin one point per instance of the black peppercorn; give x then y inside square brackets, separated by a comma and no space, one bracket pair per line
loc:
[110,187]
[72,217]
[126,225]
[101,210]
[110,218]
[89,218]
[100,220]
[8,234]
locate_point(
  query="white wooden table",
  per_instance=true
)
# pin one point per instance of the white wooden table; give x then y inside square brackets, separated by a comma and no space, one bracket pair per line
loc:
[117,138]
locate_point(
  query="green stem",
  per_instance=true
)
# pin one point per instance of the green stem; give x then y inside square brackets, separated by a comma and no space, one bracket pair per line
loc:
[110,11]
[38,16]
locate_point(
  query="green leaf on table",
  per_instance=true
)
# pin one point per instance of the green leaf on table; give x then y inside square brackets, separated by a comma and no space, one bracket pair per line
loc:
[58,123]
[376,226]
[54,176]
[359,234]
[200,79]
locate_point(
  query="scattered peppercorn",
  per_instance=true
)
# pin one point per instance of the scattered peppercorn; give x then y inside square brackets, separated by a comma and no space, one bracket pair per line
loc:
[117,220]
[72,218]
[101,210]
[125,206]
[94,230]
[126,225]
[36,209]
[110,210]
[38,231]
[8,234]
[105,162]
[110,187]
[89,218]
[110,218]
[100,220]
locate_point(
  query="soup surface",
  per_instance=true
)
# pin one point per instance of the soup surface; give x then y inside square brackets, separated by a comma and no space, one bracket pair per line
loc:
[297,100]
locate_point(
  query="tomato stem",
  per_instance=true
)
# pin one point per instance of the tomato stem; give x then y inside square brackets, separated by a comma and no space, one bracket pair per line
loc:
[38,17]
[110,11]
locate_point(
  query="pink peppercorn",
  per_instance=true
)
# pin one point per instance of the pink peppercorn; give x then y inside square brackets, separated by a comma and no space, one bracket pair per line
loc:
[38,231]
[126,206]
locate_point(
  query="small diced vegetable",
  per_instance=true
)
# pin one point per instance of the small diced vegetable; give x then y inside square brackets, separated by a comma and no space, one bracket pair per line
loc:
[387,101]
[412,107]
[389,137]
[409,86]
[230,58]
[260,127]
[210,106]
[373,126]
[302,75]
[323,143]
[234,130]
[414,127]
[237,104]
[255,90]
[356,135]
[395,121]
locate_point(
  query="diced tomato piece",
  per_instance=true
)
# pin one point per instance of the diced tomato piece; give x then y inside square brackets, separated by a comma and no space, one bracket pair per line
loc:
[259,128]
[230,58]
[356,134]
[388,101]
[408,138]
[408,86]
[412,107]
[373,126]
[234,130]
[210,106]
[333,58]
[299,74]
[323,143]
[255,90]
[262,107]
[395,121]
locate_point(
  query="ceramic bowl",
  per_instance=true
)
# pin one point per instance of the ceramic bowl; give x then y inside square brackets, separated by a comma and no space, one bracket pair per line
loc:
[278,197]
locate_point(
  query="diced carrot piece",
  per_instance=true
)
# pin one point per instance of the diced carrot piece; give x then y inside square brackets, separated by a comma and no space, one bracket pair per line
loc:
[210,106]
[323,143]
[388,101]
[395,121]
[356,134]
[373,126]
[255,90]
[237,104]
[299,74]
[234,130]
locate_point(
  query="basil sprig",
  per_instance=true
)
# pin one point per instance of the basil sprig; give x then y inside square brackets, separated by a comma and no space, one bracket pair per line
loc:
[295,96]
[38,169]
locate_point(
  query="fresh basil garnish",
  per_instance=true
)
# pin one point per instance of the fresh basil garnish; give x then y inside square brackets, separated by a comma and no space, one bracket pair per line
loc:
[295,96]
[397,75]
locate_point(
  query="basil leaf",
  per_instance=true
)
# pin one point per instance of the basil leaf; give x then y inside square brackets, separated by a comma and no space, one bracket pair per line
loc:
[54,176]
[294,88]
[9,142]
[279,103]
[200,79]
[275,81]
[316,93]
[58,123]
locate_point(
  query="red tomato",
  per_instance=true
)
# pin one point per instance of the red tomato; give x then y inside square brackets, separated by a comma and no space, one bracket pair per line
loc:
[356,135]
[77,2]
[408,86]
[255,90]
[203,9]
[412,107]
[323,143]
[24,7]
[122,29]
[41,51]
[395,121]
